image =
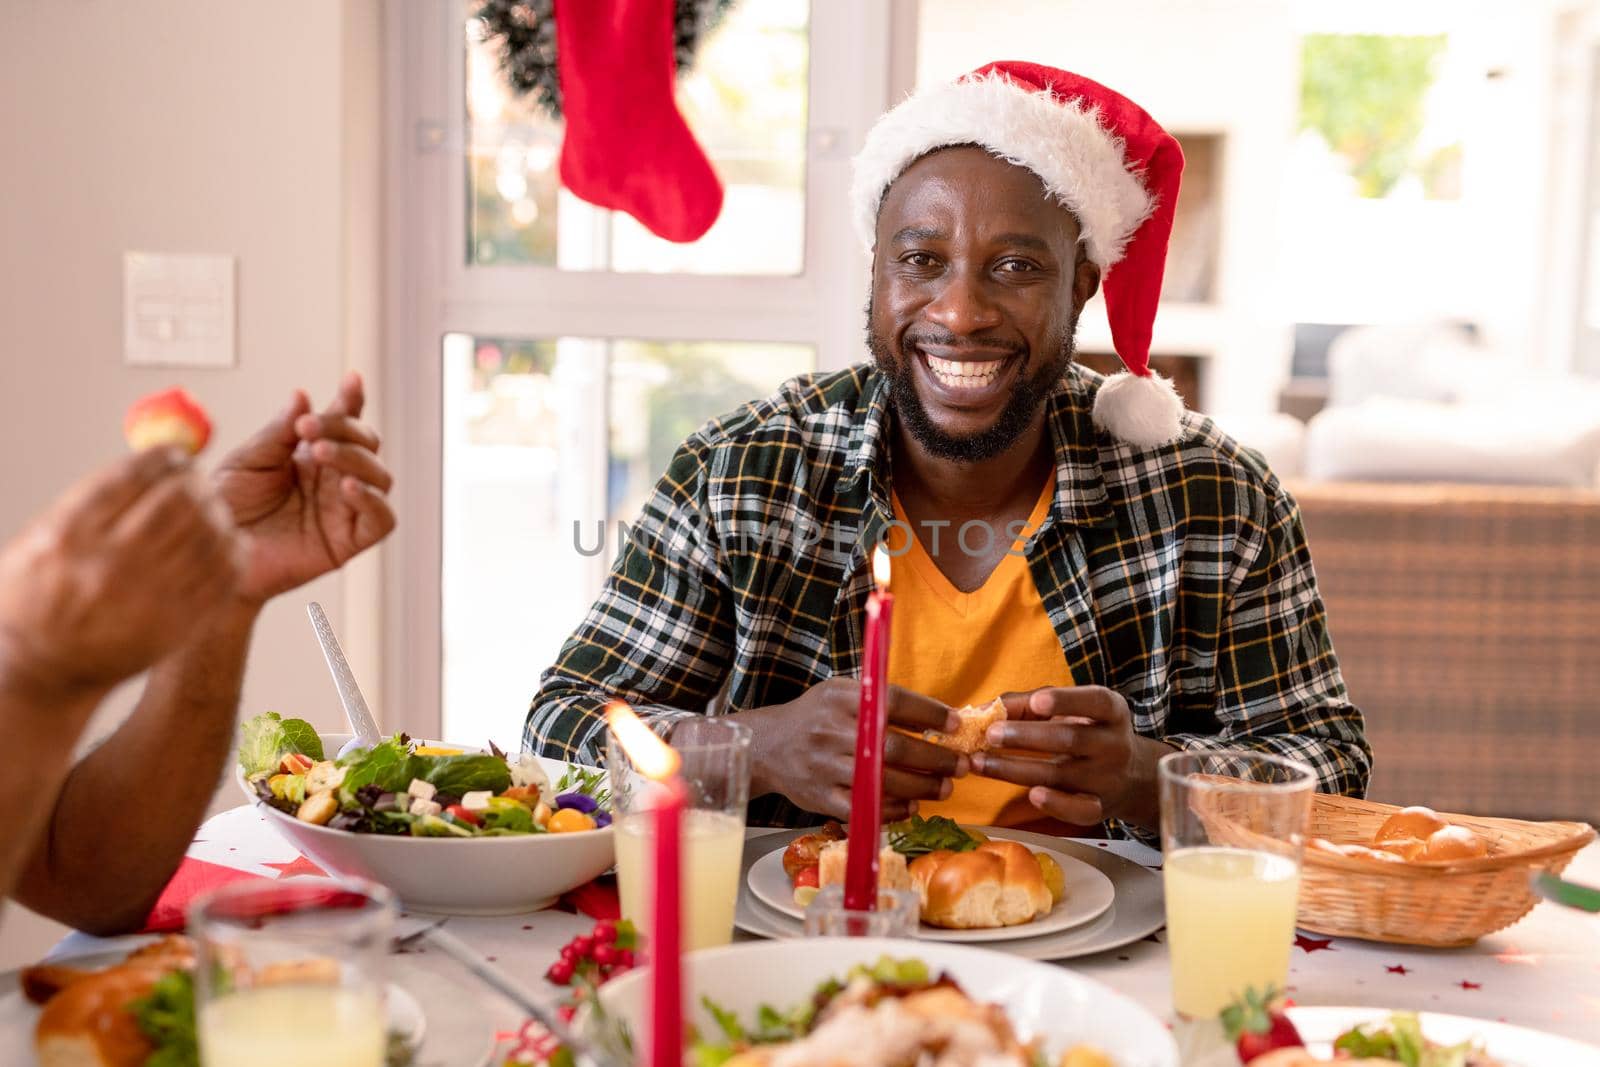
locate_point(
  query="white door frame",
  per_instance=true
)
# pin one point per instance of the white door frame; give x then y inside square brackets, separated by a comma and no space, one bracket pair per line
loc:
[862,57]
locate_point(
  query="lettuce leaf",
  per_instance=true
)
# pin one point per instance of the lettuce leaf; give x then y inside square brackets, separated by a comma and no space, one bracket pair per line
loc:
[389,765]
[166,1017]
[460,775]
[267,738]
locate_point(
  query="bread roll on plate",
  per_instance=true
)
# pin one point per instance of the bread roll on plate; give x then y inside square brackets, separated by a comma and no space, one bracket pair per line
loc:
[997,884]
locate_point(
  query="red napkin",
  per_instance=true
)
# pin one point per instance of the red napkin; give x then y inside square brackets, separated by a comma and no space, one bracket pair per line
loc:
[597,899]
[192,878]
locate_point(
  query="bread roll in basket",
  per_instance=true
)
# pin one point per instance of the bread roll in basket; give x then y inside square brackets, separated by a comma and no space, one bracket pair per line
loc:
[997,884]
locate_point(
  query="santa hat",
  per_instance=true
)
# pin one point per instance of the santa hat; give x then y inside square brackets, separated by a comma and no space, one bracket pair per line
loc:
[1102,158]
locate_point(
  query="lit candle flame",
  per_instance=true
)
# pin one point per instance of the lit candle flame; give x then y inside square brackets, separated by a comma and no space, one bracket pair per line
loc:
[880,567]
[654,757]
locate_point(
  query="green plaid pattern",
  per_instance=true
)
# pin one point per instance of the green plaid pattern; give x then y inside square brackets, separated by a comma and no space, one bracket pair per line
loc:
[1178,576]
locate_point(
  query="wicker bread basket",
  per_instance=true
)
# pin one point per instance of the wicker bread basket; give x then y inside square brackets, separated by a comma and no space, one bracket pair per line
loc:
[1443,905]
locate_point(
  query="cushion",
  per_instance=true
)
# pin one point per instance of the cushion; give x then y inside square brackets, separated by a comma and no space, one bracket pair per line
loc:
[1389,439]
[1278,437]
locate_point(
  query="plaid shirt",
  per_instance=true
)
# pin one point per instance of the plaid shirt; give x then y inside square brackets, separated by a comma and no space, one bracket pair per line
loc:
[1177,576]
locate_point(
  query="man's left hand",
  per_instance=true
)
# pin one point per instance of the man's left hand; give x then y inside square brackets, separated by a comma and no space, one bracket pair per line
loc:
[1085,763]
[307,492]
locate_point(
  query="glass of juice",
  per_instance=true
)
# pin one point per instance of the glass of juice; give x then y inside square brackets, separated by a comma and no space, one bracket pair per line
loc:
[303,958]
[715,769]
[1232,826]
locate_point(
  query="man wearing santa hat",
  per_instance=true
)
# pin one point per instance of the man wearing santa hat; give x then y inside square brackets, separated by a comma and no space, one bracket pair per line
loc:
[1125,576]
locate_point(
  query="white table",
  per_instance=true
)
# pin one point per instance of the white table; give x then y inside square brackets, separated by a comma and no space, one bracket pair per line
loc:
[1543,973]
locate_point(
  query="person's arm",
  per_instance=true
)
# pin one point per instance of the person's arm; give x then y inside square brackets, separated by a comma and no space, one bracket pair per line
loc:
[128,810]
[117,573]
[306,494]
[1279,688]
[41,722]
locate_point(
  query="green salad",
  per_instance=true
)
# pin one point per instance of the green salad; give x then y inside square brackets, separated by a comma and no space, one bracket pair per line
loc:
[401,787]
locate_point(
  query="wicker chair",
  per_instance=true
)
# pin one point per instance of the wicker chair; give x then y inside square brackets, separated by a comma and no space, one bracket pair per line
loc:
[1467,622]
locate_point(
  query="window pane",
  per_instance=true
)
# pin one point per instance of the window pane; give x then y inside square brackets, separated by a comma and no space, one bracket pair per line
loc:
[543,441]
[745,99]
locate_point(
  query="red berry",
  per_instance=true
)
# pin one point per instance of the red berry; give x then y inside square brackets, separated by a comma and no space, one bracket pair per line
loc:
[566,1011]
[605,932]
[560,972]
[569,955]
[625,957]
[605,955]
[584,945]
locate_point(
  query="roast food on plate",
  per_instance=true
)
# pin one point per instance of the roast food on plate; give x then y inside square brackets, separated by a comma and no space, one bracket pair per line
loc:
[894,1012]
[963,880]
[1413,834]
[114,1017]
[972,735]
[141,1011]
[401,787]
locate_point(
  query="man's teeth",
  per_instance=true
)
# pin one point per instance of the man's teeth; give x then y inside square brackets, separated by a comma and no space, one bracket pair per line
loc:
[965,375]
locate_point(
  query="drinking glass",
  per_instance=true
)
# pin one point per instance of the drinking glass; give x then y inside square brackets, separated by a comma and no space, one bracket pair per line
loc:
[1232,825]
[898,915]
[305,958]
[715,755]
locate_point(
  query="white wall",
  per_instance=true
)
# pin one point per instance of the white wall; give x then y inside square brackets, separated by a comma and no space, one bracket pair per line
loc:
[188,126]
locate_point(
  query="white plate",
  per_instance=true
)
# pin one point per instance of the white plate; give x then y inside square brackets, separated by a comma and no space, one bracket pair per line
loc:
[1089,895]
[1051,1003]
[453,875]
[1138,910]
[18,1015]
[1514,1046]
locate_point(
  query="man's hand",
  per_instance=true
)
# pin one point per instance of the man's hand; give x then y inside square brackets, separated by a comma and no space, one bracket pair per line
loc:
[1090,765]
[116,574]
[806,750]
[307,492]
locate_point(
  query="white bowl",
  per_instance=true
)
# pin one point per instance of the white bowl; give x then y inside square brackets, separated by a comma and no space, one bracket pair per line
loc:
[453,875]
[1041,999]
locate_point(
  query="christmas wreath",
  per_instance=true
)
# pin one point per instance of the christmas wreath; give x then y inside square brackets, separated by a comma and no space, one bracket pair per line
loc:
[524,33]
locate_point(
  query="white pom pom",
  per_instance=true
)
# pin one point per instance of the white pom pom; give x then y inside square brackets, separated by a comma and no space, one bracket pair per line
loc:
[1145,411]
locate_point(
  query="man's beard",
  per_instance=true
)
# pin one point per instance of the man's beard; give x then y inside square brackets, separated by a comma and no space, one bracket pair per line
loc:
[1028,393]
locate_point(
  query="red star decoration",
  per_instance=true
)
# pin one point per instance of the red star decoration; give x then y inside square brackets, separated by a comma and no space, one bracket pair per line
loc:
[301,865]
[1471,985]
[1313,944]
[1398,968]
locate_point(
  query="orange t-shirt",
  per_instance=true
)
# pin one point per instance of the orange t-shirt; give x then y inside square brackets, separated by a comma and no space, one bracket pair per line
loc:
[968,648]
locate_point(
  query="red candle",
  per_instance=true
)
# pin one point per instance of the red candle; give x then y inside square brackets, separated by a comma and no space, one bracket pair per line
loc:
[656,760]
[866,787]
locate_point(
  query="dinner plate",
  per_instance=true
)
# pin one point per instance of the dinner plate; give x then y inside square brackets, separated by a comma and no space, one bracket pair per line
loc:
[1089,895]
[1053,1004]
[1137,911]
[18,1015]
[1514,1046]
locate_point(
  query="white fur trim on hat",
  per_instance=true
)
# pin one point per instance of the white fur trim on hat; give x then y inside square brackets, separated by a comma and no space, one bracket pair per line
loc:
[1064,143]
[1144,411]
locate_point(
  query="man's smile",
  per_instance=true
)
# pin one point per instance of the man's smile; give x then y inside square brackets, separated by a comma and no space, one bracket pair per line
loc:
[962,377]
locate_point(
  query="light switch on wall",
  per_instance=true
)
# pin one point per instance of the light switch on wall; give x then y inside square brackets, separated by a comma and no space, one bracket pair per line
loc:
[177,310]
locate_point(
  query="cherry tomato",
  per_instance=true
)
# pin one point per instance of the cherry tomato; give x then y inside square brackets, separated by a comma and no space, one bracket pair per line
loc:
[810,876]
[464,815]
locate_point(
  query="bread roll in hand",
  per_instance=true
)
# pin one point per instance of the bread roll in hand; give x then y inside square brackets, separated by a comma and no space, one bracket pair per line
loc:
[973,733]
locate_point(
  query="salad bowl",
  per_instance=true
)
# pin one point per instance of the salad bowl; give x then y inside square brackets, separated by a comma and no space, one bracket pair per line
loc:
[455,875]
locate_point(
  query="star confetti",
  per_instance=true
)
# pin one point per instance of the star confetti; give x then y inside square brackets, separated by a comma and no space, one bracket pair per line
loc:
[1313,944]
[301,865]
[1398,968]
[1471,985]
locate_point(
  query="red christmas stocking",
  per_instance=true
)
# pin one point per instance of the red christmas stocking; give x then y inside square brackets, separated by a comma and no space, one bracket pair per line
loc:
[626,147]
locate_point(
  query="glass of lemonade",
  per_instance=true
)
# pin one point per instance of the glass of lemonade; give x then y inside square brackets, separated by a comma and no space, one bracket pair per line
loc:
[302,958]
[715,754]
[1232,826]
